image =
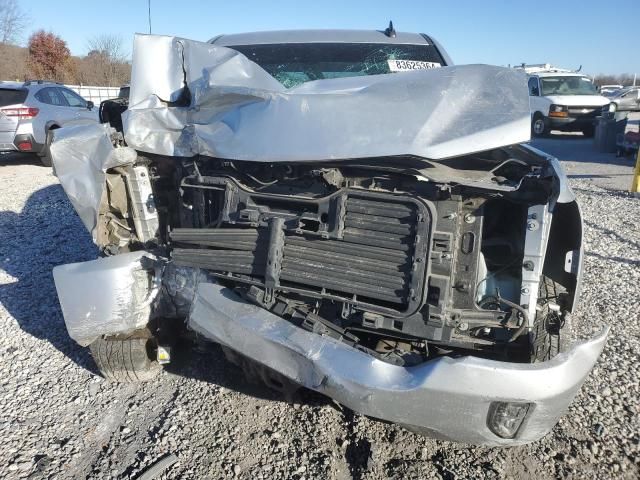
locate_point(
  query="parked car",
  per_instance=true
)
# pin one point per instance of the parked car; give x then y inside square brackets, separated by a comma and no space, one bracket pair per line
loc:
[345,211]
[563,100]
[31,111]
[608,90]
[627,99]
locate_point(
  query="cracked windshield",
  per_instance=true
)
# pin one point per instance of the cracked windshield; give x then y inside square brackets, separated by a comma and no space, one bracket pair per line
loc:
[294,64]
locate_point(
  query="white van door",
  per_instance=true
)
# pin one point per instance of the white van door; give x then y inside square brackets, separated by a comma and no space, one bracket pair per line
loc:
[536,101]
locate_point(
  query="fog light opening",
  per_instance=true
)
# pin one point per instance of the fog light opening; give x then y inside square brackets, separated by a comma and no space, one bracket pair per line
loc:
[505,418]
[25,146]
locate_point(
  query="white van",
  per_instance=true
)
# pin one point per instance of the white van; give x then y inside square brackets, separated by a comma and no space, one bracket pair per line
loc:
[563,100]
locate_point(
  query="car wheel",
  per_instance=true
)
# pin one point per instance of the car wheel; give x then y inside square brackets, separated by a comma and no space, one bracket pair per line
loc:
[125,359]
[45,155]
[552,326]
[539,126]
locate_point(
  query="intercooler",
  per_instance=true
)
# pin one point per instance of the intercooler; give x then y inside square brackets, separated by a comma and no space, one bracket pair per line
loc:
[372,252]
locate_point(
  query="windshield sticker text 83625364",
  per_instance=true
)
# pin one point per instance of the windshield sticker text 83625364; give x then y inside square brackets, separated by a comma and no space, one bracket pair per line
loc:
[407,65]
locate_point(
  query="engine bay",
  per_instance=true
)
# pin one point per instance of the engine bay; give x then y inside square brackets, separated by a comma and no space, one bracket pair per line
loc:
[396,265]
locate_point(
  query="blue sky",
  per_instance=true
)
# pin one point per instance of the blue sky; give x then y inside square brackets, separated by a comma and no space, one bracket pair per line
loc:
[601,37]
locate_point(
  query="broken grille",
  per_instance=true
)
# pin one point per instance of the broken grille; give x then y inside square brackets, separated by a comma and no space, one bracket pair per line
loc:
[374,255]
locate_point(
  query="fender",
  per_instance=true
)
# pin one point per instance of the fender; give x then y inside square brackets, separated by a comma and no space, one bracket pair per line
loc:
[51,124]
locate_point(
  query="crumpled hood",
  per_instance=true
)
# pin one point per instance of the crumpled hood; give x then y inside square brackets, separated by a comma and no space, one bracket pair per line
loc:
[238,111]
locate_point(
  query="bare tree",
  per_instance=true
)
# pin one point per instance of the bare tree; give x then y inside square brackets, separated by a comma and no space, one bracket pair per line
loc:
[622,79]
[111,46]
[13,20]
[107,57]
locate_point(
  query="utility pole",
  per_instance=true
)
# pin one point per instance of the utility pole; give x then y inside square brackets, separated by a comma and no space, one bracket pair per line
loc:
[149,14]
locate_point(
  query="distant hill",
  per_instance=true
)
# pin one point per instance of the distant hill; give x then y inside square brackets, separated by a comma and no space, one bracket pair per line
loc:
[13,62]
[93,69]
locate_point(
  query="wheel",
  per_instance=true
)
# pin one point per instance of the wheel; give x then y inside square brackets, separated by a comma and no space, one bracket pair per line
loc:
[551,328]
[125,359]
[45,155]
[589,132]
[539,126]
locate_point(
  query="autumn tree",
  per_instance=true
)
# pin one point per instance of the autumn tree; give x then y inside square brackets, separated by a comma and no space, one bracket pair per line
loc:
[13,20]
[48,56]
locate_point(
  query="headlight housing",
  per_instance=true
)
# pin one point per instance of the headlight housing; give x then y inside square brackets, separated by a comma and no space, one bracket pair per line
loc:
[613,107]
[561,111]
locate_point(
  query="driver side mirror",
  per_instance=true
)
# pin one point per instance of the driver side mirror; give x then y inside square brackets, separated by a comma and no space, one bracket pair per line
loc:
[90,105]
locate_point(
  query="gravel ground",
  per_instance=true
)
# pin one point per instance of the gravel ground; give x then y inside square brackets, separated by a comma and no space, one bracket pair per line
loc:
[59,419]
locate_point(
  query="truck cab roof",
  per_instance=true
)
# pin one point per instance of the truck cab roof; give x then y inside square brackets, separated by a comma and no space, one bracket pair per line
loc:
[331,37]
[320,36]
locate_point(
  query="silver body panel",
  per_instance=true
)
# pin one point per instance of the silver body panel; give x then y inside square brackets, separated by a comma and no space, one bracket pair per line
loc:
[81,155]
[445,398]
[238,111]
[105,296]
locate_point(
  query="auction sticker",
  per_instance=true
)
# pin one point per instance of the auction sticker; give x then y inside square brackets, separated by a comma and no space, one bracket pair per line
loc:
[407,65]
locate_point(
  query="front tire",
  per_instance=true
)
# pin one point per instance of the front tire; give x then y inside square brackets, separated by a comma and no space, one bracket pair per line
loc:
[539,126]
[552,326]
[125,359]
[45,155]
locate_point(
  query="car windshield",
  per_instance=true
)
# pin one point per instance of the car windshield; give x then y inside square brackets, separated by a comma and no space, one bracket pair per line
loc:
[569,85]
[623,92]
[11,96]
[295,63]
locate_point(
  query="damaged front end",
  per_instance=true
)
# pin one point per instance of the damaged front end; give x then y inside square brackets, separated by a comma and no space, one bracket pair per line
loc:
[417,266]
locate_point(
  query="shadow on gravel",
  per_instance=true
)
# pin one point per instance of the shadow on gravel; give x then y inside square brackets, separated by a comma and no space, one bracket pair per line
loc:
[7,159]
[612,233]
[627,261]
[604,192]
[207,363]
[47,232]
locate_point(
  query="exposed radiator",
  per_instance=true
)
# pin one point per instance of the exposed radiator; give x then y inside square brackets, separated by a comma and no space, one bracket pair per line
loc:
[373,258]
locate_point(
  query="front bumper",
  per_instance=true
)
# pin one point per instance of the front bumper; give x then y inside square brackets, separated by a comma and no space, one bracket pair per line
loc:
[570,123]
[445,398]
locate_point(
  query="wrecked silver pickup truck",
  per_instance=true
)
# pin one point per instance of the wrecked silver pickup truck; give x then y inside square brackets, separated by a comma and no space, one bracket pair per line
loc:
[344,210]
